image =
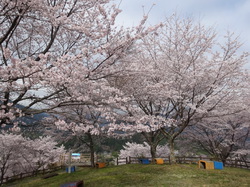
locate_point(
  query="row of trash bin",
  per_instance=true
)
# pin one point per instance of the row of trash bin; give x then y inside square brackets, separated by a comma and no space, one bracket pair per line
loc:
[210,164]
[202,163]
[71,169]
[147,161]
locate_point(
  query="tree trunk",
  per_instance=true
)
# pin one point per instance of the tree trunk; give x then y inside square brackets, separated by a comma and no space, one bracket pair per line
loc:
[3,171]
[1,179]
[92,151]
[224,162]
[153,139]
[92,157]
[153,152]
[172,155]
[223,159]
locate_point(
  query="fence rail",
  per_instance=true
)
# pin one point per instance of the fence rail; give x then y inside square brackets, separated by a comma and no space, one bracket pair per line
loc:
[134,160]
[238,163]
[84,159]
[30,174]
[187,160]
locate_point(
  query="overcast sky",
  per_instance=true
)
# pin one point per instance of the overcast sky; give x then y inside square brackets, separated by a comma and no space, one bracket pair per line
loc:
[232,15]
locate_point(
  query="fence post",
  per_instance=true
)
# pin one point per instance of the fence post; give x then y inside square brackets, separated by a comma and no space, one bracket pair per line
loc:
[117,161]
[246,164]
[169,159]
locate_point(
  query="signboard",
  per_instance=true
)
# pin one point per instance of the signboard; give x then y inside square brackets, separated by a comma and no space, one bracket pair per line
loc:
[75,155]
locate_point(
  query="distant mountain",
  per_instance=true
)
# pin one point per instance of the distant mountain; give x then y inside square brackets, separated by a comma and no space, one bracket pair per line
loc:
[29,120]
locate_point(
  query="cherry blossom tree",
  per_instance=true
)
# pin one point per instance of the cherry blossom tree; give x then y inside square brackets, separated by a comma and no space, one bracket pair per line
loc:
[8,149]
[148,126]
[132,116]
[222,137]
[55,48]
[45,151]
[84,122]
[142,150]
[179,75]
[20,155]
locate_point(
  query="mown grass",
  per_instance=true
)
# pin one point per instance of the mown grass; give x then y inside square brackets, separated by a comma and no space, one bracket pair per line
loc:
[145,176]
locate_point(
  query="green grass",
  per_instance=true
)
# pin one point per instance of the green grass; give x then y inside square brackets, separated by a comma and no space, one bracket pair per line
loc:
[145,176]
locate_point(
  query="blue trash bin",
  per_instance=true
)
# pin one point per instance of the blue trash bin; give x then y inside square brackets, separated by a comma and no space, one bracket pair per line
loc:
[72,169]
[144,161]
[218,165]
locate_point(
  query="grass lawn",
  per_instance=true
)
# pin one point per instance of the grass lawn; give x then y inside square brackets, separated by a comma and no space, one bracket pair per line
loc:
[145,175]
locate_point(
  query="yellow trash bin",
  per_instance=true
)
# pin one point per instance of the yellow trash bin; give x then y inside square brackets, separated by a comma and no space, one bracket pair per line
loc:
[206,164]
[159,161]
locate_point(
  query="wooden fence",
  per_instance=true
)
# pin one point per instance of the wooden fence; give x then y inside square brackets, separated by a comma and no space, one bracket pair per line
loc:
[181,160]
[83,160]
[134,160]
[30,174]
[65,159]
[237,163]
[187,160]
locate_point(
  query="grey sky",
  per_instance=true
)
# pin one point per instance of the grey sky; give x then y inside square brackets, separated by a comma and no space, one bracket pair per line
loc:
[232,15]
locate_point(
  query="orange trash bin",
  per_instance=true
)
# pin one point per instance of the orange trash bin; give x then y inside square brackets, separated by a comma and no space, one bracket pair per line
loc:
[159,161]
[100,165]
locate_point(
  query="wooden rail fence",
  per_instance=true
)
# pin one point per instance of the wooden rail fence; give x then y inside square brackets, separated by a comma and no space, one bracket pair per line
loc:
[30,174]
[237,163]
[134,160]
[188,160]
